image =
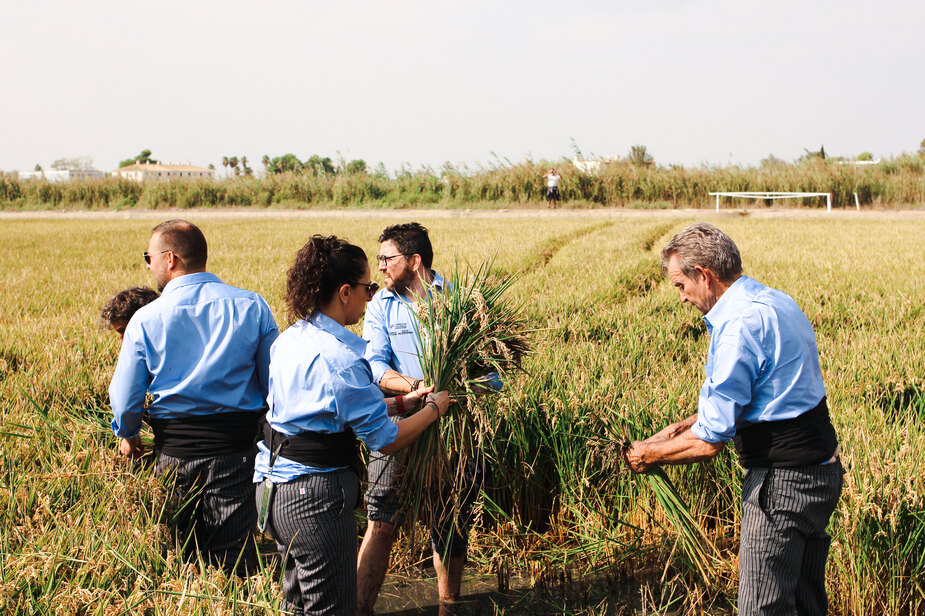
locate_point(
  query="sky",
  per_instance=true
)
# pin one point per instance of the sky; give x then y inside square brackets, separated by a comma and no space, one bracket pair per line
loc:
[424,82]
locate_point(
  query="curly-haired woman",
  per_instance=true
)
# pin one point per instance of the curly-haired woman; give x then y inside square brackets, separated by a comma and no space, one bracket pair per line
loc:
[322,400]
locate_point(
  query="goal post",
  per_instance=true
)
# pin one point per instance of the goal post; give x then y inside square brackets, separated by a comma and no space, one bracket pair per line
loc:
[774,195]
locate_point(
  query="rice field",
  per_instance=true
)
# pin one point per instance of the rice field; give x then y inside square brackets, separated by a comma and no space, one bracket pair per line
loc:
[84,532]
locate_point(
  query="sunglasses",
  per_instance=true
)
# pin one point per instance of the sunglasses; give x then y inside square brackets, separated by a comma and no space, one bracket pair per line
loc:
[148,257]
[371,287]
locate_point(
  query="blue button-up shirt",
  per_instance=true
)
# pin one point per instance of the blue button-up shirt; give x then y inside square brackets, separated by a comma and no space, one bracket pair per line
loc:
[763,364]
[320,382]
[202,347]
[391,328]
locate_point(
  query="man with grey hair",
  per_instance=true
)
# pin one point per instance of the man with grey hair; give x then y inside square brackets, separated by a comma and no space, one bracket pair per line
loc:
[764,391]
[202,352]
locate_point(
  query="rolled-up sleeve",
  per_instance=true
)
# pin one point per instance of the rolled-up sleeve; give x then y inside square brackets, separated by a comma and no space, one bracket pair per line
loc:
[360,402]
[129,385]
[726,391]
[379,350]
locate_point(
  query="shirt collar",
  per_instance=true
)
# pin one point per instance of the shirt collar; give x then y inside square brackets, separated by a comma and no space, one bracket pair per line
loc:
[329,325]
[438,284]
[189,279]
[725,307]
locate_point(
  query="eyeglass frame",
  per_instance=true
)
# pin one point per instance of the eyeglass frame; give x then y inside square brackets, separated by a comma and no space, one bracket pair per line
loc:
[385,259]
[147,257]
[371,287]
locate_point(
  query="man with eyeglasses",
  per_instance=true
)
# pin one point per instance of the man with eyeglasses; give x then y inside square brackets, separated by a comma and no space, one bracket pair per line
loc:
[405,259]
[201,351]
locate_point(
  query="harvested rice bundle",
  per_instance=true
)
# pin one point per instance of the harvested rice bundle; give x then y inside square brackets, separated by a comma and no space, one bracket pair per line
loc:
[700,553]
[470,338]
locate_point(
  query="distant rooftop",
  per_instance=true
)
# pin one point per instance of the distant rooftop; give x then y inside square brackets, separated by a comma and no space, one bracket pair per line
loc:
[162,167]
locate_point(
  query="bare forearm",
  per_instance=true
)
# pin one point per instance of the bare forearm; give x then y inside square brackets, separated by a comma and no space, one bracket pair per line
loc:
[682,448]
[673,430]
[393,383]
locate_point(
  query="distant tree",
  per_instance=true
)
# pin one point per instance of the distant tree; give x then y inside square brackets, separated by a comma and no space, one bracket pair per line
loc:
[319,165]
[865,156]
[247,170]
[38,167]
[772,161]
[922,148]
[266,162]
[144,158]
[639,155]
[283,164]
[225,162]
[819,155]
[233,163]
[212,166]
[356,166]
[77,162]
[381,171]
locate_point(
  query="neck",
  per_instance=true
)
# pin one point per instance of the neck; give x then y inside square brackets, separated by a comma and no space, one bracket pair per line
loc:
[417,288]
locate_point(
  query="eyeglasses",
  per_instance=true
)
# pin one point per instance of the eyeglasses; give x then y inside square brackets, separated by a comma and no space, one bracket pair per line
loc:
[371,287]
[148,257]
[385,258]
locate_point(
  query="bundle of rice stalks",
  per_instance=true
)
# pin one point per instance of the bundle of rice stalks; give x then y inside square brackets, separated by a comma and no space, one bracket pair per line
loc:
[465,334]
[696,548]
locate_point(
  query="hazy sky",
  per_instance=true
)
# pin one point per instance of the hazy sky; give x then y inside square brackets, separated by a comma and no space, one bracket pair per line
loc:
[425,81]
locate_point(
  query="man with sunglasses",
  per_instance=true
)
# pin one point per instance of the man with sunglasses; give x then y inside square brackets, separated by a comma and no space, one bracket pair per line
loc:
[201,351]
[405,259]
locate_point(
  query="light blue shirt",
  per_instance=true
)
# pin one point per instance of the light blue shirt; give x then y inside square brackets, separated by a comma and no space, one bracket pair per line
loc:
[391,328]
[320,382]
[763,364]
[202,347]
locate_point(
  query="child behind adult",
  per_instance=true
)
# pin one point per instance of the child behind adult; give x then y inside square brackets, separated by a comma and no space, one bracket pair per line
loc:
[118,311]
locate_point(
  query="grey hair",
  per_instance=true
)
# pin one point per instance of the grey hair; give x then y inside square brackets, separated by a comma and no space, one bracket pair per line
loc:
[704,245]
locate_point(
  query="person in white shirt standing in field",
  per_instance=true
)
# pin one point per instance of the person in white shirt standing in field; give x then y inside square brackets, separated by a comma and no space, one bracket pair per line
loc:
[552,188]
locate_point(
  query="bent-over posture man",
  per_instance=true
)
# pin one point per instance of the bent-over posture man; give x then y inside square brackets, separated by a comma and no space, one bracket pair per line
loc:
[121,307]
[202,351]
[764,391]
[405,258]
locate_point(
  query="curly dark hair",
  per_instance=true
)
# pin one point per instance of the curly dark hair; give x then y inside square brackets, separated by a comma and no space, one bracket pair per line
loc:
[125,303]
[411,239]
[321,266]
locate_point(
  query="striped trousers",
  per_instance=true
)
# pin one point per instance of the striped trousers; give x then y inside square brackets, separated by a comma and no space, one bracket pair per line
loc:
[784,546]
[213,500]
[313,523]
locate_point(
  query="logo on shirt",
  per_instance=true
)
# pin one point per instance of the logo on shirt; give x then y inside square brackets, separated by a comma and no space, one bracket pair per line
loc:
[400,329]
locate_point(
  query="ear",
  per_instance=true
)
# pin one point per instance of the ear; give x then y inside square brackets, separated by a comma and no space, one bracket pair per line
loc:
[415,261]
[709,278]
[344,293]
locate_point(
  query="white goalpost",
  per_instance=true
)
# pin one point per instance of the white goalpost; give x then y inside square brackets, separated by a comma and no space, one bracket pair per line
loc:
[774,195]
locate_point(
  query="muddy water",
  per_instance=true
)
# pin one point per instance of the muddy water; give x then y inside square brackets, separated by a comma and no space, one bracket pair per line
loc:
[402,594]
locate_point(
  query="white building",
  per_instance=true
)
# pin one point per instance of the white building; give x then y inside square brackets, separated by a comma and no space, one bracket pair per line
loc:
[61,175]
[158,171]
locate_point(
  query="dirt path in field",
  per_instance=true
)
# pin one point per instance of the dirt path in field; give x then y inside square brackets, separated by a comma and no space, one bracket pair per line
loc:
[603,213]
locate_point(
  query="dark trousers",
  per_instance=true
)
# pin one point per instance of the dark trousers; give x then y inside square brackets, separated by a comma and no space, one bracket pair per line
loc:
[213,502]
[313,523]
[784,547]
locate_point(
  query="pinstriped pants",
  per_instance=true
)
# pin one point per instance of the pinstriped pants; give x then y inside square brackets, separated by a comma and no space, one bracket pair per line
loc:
[214,500]
[313,523]
[784,546]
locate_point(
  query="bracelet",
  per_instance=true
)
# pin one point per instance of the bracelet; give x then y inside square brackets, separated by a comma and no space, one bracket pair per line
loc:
[400,404]
[436,408]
